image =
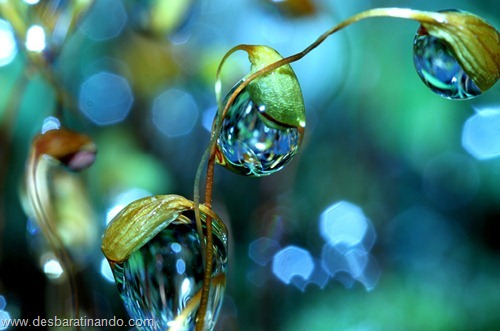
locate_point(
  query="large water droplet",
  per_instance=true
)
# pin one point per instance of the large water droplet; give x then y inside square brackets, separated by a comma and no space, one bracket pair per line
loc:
[439,69]
[251,143]
[163,279]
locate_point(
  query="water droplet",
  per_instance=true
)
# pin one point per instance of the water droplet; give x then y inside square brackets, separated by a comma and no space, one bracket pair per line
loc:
[251,143]
[163,279]
[439,70]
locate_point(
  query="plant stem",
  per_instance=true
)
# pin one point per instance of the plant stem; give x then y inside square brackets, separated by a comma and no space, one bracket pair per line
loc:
[421,16]
[37,188]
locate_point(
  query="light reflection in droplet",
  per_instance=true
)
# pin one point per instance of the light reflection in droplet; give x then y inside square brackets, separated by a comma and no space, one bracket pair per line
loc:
[262,250]
[105,20]
[105,98]
[180,266]
[207,118]
[292,261]
[175,112]
[35,38]
[481,134]
[106,271]
[32,226]
[176,247]
[50,123]
[8,49]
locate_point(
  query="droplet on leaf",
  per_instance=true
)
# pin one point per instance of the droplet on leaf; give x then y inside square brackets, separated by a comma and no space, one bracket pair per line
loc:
[251,142]
[163,279]
[439,69]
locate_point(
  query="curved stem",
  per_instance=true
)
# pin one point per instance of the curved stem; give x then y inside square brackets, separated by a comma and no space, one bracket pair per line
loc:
[36,185]
[421,16]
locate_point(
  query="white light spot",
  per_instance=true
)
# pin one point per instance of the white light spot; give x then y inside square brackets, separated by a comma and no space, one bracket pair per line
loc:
[343,222]
[185,287]
[50,123]
[8,48]
[106,271]
[481,134]
[52,268]
[35,38]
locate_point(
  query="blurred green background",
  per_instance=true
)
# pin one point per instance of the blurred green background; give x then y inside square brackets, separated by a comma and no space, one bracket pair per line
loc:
[376,138]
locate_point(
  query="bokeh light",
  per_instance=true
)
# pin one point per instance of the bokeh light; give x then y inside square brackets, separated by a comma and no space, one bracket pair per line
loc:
[349,237]
[175,113]
[292,261]
[481,133]
[106,20]
[8,48]
[345,223]
[35,38]
[105,98]
[4,318]
[50,123]
[52,268]
[262,250]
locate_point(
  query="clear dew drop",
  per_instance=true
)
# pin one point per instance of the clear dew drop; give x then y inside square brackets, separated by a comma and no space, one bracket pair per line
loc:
[250,143]
[439,70]
[163,279]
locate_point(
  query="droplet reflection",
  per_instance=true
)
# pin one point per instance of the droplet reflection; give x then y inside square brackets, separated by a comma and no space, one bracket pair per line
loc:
[252,144]
[163,279]
[439,70]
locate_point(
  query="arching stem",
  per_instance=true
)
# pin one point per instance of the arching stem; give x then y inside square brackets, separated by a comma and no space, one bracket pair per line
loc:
[37,188]
[209,155]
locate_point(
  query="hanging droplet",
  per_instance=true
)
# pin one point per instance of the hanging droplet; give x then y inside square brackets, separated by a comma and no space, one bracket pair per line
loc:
[439,69]
[253,144]
[163,279]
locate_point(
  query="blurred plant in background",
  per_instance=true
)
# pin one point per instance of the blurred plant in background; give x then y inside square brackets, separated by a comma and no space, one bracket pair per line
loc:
[395,190]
